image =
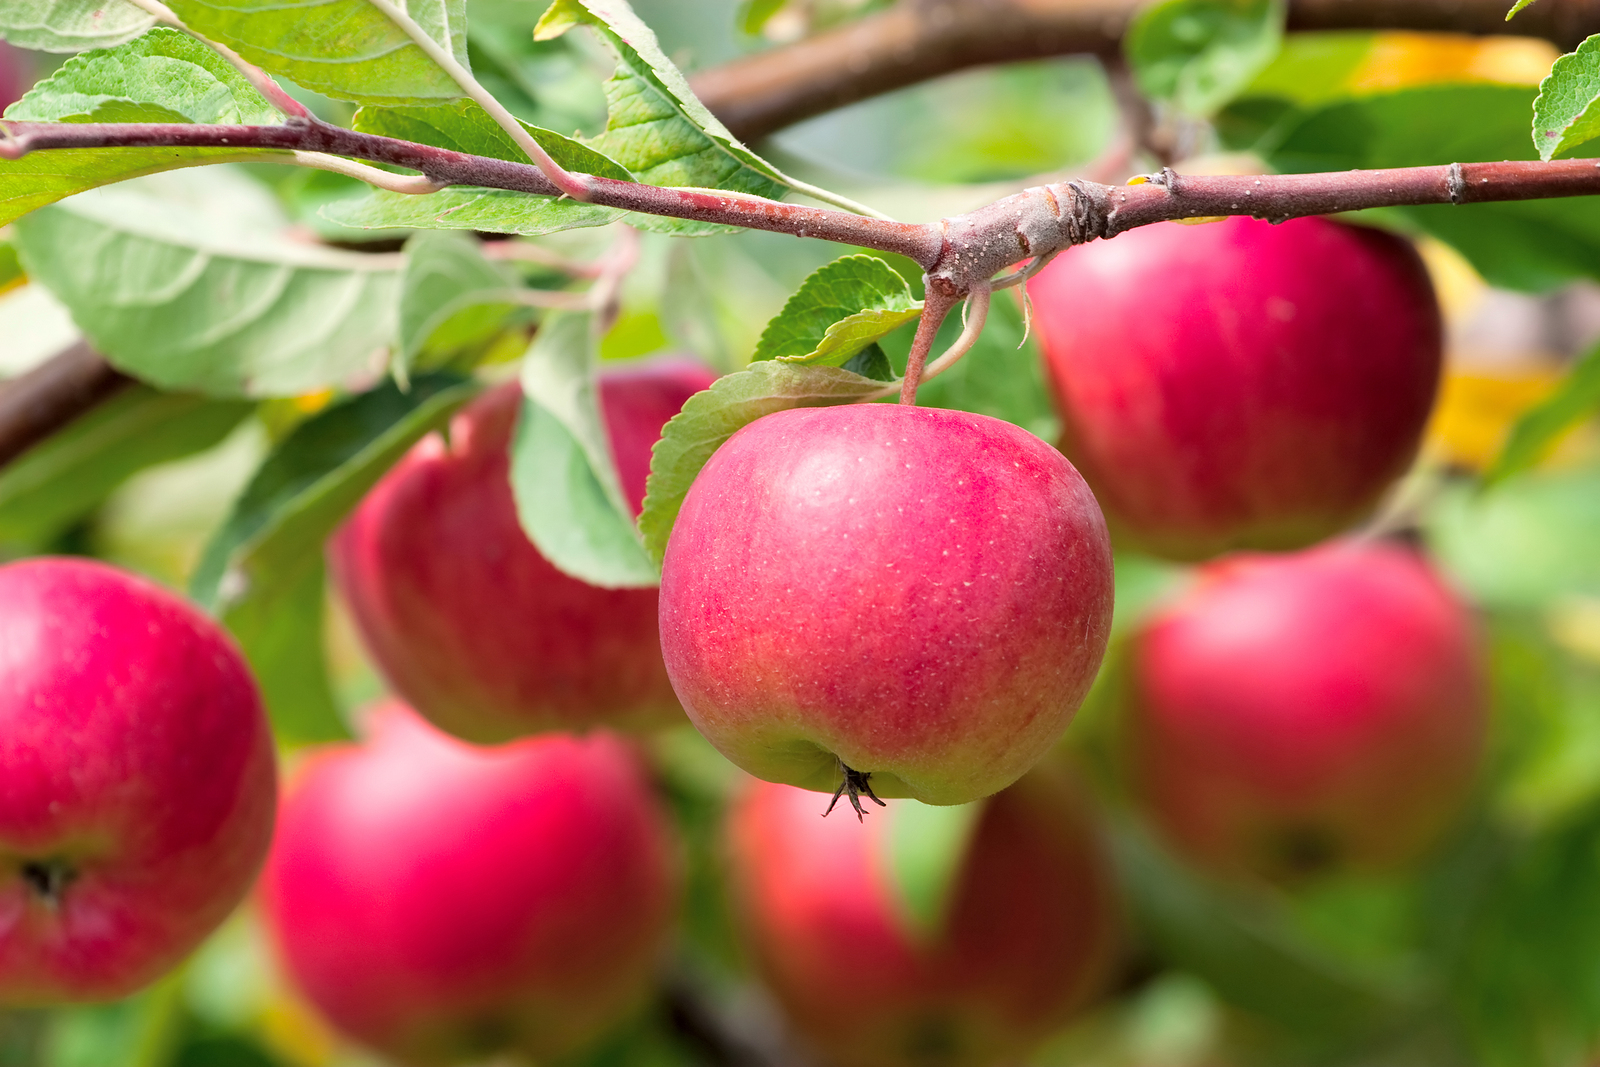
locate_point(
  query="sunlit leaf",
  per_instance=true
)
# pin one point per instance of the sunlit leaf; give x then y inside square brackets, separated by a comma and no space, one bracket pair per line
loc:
[71,25]
[1566,114]
[1199,54]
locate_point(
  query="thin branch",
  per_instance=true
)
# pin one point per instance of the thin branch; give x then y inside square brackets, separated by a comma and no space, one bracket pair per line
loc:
[916,40]
[410,184]
[37,404]
[940,298]
[573,185]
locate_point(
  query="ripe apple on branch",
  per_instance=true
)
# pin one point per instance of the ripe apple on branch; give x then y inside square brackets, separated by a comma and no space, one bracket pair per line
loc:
[901,605]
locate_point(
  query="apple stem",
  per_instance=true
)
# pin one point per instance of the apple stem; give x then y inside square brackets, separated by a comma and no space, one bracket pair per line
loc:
[942,295]
[854,783]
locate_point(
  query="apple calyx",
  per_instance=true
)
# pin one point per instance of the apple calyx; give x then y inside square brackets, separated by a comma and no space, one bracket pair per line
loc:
[854,783]
[48,880]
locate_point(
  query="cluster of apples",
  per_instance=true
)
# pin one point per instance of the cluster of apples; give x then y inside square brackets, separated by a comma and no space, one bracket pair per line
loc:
[878,600]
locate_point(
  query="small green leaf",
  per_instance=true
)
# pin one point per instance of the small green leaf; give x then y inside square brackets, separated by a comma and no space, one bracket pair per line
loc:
[1566,114]
[1199,54]
[713,416]
[871,362]
[346,49]
[1575,399]
[11,272]
[61,479]
[755,14]
[451,298]
[927,847]
[261,573]
[838,311]
[657,127]
[568,494]
[1518,6]
[71,25]
[164,76]
[189,282]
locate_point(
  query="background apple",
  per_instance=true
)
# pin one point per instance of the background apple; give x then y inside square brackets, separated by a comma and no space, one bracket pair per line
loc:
[1239,384]
[16,74]
[1303,713]
[468,621]
[440,901]
[1030,933]
[921,594]
[137,780]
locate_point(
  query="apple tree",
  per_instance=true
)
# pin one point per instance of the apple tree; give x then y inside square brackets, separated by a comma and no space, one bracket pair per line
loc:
[598,459]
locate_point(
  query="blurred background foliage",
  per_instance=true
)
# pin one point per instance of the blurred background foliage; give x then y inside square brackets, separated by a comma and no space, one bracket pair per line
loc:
[1490,955]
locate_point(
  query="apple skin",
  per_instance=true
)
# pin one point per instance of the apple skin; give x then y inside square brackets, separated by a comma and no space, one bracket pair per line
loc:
[922,594]
[16,75]
[464,616]
[440,901]
[1031,934]
[136,766]
[1303,714]
[1239,384]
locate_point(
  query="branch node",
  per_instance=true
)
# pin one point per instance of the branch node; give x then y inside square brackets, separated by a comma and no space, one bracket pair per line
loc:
[1456,183]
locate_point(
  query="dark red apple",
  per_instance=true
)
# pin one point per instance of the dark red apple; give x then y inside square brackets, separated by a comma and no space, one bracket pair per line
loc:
[439,901]
[469,623]
[1305,713]
[1239,384]
[137,781]
[918,595]
[1030,933]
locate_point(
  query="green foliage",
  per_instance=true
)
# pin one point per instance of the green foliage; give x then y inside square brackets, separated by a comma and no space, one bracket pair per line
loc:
[452,300]
[262,572]
[1575,399]
[926,849]
[358,50]
[1198,54]
[63,478]
[187,281]
[713,416]
[1566,114]
[1518,6]
[568,494]
[838,312]
[71,25]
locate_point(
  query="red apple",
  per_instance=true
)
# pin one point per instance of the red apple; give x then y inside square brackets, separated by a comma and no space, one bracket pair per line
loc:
[1239,385]
[1304,713]
[1030,933]
[16,75]
[137,781]
[921,596]
[470,624]
[440,901]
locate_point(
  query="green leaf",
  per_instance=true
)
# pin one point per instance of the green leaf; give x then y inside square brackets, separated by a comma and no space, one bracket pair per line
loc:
[568,494]
[926,848]
[164,76]
[71,25]
[451,298]
[346,49]
[1575,399]
[1534,244]
[755,14]
[188,281]
[1526,543]
[657,127]
[1199,54]
[1518,6]
[61,479]
[463,126]
[1566,114]
[261,573]
[713,416]
[837,312]
[11,272]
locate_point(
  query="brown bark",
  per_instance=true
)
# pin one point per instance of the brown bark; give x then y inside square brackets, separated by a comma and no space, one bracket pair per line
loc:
[37,404]
[920,39]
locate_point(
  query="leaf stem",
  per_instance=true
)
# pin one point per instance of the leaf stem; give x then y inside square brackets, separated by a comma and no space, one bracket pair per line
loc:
[977,314]
[573,185]
[410,184]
